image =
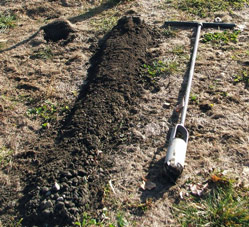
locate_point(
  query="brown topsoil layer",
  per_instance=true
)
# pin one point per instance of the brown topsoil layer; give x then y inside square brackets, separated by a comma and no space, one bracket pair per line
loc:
[69,176]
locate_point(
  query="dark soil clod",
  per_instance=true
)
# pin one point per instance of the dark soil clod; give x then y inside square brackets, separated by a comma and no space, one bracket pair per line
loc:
[58,30]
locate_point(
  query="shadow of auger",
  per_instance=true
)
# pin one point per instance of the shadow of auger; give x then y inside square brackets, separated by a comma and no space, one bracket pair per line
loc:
[95,11]
[162,182]
[22,42]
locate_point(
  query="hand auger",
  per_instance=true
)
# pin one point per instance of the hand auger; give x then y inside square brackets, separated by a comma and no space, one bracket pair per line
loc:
[175,157]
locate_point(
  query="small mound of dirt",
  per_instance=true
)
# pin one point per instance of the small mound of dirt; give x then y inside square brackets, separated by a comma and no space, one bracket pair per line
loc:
[71,175]
[57,30]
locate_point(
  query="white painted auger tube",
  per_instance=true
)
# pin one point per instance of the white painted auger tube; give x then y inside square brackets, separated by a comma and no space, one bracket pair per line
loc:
[176,153]
[175,158]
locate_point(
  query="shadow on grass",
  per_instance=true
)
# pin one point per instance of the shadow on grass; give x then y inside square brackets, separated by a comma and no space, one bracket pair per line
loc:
[91,13]
[95,11]
[22,42]
[157,176]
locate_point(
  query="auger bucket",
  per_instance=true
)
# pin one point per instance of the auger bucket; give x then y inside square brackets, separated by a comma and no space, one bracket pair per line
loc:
[175,158]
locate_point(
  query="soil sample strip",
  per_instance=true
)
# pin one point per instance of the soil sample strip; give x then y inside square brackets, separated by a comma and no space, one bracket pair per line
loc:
[71,176]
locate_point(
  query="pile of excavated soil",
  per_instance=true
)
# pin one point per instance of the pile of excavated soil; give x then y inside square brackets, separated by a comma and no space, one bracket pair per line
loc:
[71,173]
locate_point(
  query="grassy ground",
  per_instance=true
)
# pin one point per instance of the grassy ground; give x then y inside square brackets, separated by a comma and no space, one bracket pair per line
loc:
[40,81]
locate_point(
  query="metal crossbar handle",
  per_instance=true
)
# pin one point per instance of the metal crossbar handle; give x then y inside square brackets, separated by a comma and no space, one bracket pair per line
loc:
[175,158]
[195,24]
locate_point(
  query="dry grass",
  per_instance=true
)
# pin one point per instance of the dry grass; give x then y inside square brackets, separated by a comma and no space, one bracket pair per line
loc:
[38,71]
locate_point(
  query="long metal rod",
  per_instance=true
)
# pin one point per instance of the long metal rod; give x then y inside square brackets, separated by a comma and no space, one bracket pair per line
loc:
[191,73]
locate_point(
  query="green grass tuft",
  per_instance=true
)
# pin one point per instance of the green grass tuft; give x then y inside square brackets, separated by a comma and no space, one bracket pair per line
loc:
[221,37]
[106,24]
[2,45]
[47,112]
[205,8]
[158,68]
[7,21]
[5,156]
[223,205]
[243,77]
[194,98]
[169,32]
[44,53]
[88,221]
